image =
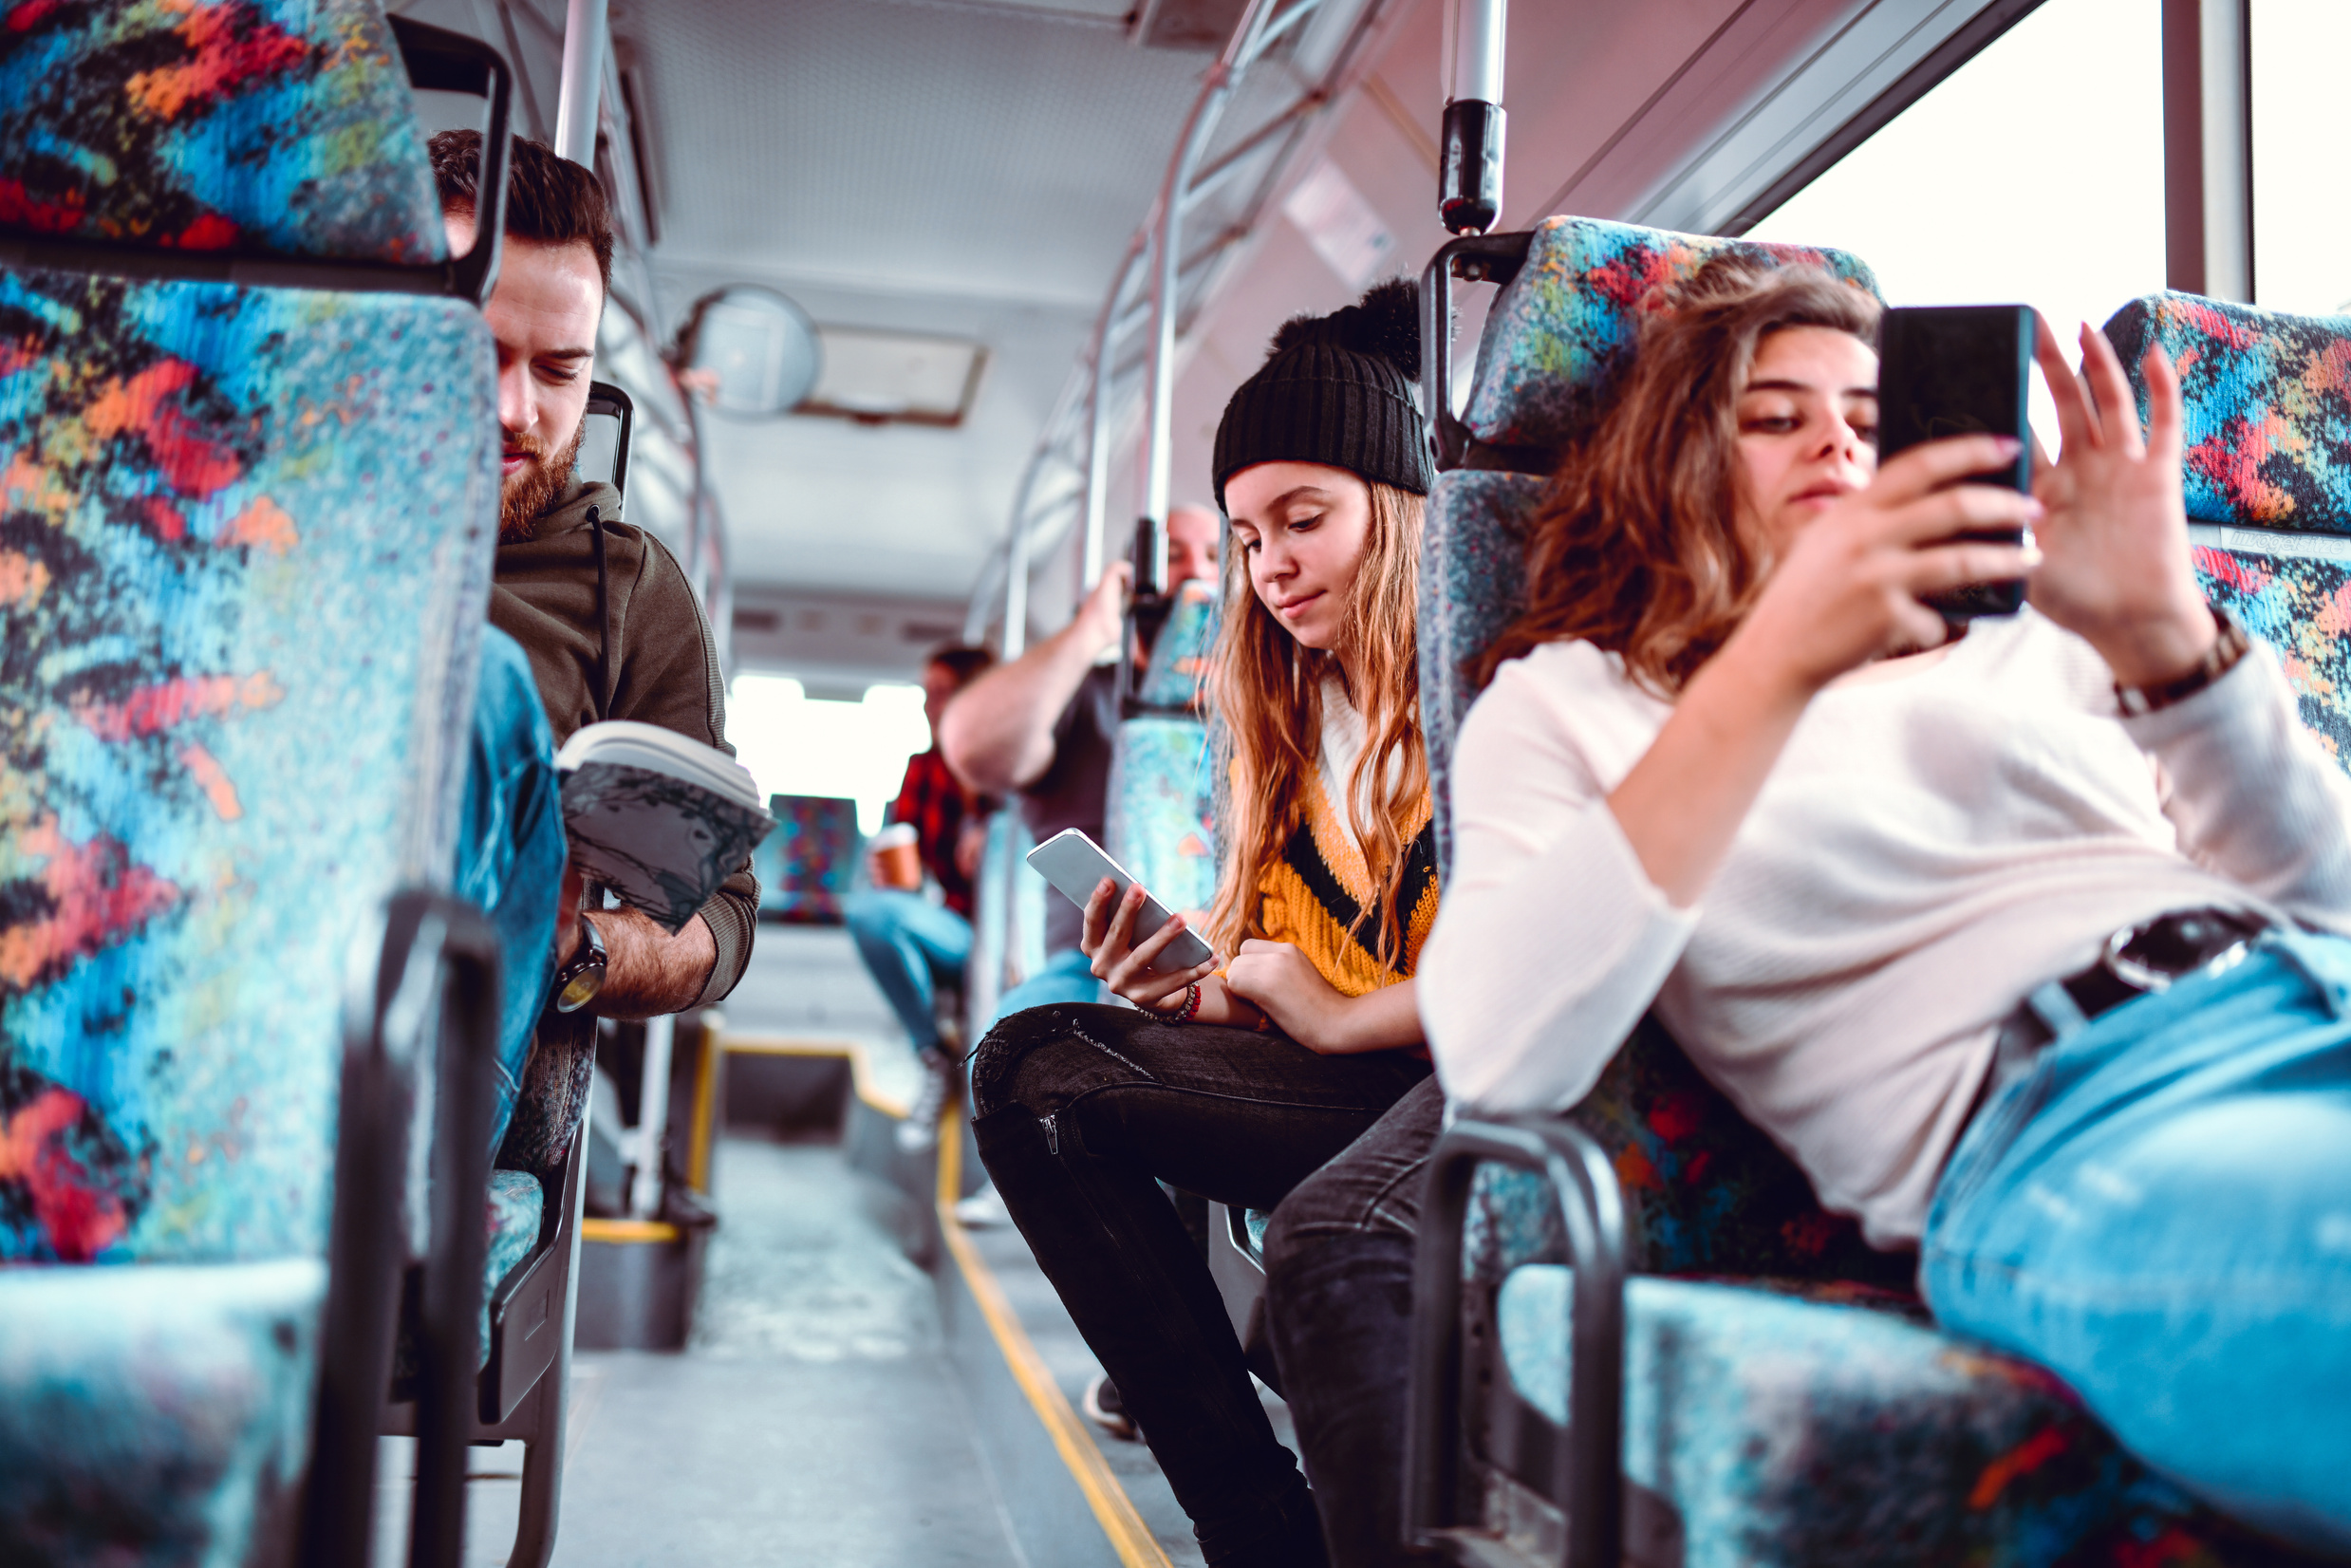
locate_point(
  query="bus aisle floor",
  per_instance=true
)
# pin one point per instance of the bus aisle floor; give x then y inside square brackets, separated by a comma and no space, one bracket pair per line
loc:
[859,1389]
[1073,1366]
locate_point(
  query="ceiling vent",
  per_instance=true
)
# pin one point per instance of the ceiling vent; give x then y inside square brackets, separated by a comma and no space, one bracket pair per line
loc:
[1187,24]
[894,377]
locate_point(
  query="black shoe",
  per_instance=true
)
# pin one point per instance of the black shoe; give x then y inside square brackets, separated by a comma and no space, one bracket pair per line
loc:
[1105,1409]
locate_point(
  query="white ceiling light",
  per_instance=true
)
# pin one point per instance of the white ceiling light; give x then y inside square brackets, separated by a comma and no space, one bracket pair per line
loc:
[894,377]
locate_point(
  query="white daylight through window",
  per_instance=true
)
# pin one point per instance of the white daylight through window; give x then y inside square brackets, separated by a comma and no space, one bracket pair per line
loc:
[796,745]
[2301,192]
[2034,173]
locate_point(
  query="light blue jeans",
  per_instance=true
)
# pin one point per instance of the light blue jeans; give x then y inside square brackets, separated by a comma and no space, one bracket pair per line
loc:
[2159,1211]
[1067,977]
[909,944]
[511,847]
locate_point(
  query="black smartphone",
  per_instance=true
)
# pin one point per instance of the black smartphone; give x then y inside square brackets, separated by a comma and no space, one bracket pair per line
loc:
[1958,370]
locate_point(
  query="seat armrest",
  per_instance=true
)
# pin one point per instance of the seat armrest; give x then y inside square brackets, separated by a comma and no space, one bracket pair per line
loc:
[1589,1485]
[420,1028]
[526,1314]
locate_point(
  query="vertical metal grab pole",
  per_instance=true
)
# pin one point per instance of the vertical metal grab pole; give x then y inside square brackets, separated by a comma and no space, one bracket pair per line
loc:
[583,73]
[1099,410]
[1205,113]
[1469,193]
[1017,564]
[644,1185]
[1097,463]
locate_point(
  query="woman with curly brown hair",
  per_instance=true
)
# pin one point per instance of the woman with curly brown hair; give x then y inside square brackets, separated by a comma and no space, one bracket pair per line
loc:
[1238,1078]
[2028,944]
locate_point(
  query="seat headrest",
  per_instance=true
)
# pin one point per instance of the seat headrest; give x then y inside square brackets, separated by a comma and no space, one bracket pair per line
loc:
[2267,403]
[1560,331]
[1179,659]
[267,127]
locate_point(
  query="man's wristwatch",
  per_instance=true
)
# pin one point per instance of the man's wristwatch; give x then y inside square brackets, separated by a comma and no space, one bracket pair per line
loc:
[578,981]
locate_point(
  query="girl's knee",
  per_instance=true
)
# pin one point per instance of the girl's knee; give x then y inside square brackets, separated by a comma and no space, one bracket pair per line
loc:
[1016,1061]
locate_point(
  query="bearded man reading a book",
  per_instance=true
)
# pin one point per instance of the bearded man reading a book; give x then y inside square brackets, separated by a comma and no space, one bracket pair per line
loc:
[610,629]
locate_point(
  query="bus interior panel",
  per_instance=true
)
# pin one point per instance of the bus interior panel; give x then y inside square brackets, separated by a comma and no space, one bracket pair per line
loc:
[529,1032]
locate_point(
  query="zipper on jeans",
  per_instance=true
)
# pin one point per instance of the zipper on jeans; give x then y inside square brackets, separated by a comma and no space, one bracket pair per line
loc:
[1052,1134]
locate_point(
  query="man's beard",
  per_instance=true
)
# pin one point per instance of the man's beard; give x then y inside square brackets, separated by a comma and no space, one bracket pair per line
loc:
[523,499]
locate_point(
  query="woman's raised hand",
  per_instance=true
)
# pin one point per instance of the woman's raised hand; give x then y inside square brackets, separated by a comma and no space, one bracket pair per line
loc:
[1124,964]
[1847,586]
[2116,567]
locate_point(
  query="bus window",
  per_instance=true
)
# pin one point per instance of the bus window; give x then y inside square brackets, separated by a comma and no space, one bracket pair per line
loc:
[2301,224]
[2033,173]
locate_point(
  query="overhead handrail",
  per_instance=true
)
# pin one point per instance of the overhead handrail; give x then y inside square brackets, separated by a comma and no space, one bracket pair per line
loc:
[1081,431]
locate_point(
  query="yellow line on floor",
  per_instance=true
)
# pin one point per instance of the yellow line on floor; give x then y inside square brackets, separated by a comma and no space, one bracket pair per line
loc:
[1132,1540]
[593,1229]
[855,1052]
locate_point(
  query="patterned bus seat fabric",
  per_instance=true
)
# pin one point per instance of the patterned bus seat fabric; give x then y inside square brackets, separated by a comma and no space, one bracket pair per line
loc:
[1161,810]
[229,520]
[276,126]
[154,1416]
[807,865]
[1560,332]
[1705,1190]
[514,1207]
[2268,479]
[1796,1433]
[516,1203]
[1179,662]
[1472,584]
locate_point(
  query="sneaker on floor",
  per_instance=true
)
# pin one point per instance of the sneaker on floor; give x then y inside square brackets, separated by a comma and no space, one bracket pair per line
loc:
[983,1210]
[1104,1410]
[918,1132]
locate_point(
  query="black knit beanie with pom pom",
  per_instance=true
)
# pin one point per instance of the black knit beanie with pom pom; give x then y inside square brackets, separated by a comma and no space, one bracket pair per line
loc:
[1337,389]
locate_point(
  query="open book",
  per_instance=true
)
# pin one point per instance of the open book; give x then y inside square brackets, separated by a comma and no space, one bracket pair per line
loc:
[659,818]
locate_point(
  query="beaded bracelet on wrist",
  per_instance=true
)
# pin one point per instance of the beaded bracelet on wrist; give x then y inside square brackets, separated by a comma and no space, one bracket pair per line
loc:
[1190,1009]
[2227,652]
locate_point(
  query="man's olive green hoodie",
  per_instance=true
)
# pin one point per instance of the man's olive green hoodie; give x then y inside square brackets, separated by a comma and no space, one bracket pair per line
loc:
[663,668]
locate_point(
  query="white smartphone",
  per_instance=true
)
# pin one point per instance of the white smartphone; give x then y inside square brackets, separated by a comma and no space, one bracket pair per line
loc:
[1075,866]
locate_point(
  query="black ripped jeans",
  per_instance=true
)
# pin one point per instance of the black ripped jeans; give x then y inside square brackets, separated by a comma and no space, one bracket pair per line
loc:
[1338,1300]
[1080,1113]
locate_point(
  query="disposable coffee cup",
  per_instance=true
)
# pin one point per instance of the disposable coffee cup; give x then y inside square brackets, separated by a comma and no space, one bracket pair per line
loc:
[897,863]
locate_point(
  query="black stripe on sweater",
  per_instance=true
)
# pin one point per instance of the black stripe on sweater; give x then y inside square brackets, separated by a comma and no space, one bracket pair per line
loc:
[1304,856]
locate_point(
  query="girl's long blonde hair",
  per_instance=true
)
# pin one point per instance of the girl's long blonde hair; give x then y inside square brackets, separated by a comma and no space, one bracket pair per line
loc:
[1266,692]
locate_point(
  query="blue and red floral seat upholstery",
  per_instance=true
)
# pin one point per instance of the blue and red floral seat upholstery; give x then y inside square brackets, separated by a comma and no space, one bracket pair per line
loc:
[807,866]
[1786,1394]
[245,542]
[257,127]
[1159,805]
[2267,477]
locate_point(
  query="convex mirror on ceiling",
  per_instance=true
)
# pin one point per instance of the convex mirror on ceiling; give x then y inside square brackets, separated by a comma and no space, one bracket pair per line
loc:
[750,351]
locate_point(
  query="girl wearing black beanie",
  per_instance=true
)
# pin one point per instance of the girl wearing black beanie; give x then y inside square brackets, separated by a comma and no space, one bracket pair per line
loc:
[1237,1080]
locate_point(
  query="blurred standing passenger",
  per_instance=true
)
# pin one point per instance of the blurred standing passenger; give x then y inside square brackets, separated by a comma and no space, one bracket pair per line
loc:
[1042,724]
[910,944]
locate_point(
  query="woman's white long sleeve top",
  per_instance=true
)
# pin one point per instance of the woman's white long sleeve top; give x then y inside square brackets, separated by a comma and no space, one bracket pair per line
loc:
[1928,849]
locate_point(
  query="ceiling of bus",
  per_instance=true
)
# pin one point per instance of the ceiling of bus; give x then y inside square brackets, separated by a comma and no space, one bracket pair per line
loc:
[973,168]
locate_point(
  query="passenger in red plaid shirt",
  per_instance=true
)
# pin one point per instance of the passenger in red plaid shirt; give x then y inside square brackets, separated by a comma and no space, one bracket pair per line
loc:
[911,939]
